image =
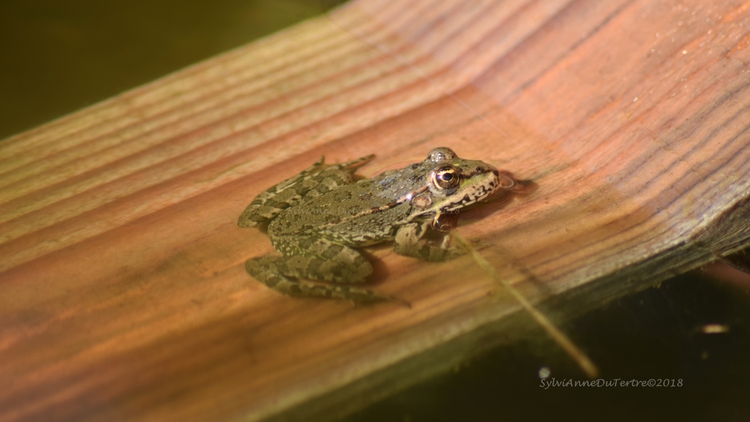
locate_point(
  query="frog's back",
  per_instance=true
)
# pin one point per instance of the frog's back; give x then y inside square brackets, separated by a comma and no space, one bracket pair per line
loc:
[352,214]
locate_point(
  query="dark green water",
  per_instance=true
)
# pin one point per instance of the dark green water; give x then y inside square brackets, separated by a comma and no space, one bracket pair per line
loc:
[58,57]
[653,334]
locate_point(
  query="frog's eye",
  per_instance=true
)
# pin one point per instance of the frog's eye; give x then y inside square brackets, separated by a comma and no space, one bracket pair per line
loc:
[446,177]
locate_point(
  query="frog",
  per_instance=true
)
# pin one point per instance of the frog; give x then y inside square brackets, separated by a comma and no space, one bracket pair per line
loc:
[320,218]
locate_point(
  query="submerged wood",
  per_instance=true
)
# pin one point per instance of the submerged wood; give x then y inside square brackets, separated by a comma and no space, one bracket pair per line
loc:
[122,288]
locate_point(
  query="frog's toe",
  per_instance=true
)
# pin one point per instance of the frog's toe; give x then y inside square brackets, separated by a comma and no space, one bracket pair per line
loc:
[265,270]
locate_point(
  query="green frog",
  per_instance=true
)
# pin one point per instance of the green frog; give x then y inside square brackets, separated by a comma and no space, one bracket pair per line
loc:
[318,218]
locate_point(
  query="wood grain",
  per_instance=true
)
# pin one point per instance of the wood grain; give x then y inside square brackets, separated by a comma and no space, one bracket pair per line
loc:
[123,293]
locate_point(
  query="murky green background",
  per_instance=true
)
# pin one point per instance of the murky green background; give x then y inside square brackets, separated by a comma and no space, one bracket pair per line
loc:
[654,334]
[58,57]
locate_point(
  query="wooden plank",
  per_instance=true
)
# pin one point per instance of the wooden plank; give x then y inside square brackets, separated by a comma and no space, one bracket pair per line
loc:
[123,293]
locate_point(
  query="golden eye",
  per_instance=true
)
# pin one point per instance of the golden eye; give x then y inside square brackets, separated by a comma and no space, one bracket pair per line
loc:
[446,177]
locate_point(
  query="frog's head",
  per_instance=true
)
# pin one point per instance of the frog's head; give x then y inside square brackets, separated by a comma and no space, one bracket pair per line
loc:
[454,183]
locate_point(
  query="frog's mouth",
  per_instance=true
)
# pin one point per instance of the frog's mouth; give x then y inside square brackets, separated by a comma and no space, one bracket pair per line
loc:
[474,188]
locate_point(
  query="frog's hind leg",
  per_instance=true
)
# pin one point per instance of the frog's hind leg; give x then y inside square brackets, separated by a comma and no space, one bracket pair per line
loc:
[332,176]
[269,203]
[332,267]
[313,181]
[283,273]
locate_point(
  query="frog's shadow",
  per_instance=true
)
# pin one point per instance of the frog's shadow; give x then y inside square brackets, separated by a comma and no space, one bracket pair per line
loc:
[380,270]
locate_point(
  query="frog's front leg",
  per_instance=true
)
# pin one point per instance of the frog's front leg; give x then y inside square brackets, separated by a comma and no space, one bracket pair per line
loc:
[315,259]
[410,241]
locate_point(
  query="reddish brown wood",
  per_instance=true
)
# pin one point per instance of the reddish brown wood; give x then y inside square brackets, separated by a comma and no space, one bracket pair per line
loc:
[122,291]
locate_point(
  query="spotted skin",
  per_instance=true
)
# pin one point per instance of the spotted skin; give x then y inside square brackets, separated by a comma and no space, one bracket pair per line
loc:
[311,182]
[318,218]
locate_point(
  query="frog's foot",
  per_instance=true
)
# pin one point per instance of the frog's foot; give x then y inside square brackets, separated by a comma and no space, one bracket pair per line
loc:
[409,241]
[282,274]
[320,260]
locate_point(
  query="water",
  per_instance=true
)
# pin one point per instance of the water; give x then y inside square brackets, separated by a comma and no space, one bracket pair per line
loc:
[60,57]
[654,334]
